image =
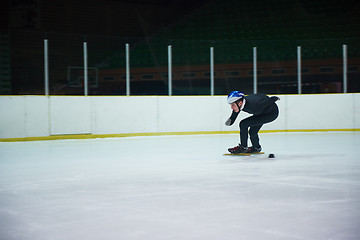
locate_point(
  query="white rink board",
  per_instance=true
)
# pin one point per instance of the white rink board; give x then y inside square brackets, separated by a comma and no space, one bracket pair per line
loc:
[37,116]
[33,116]
[186,114]
[12,120]
[356,110]
[124,114]
[70,115]
[331,111]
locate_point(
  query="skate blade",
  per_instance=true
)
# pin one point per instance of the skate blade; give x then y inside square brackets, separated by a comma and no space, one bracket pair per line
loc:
[242,154]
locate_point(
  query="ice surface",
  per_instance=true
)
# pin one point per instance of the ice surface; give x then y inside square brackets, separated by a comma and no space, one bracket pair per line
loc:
[181,187]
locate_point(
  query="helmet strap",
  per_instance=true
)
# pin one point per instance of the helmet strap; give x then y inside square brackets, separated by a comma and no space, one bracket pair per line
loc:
[237,104]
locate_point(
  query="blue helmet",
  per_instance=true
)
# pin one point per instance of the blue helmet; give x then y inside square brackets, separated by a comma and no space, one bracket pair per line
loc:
[234,96]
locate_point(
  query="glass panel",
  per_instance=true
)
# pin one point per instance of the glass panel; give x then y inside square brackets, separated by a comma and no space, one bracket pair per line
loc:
[191,71]
[277,67]
[66,63]
[5,64]
[233,66]
[22,70]
[353,49]
[106,65]
[322,66]
[27,62]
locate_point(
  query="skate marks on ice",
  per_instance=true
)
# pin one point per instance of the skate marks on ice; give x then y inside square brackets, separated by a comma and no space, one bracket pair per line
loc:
[181,188]
[288,157]
[238,158]
[311,156]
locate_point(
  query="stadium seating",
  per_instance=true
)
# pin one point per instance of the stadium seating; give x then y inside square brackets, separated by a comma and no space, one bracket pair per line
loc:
[233,27]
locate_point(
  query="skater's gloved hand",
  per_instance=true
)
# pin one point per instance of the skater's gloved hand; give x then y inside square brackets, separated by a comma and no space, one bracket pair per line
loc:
[228,122]
[232,118]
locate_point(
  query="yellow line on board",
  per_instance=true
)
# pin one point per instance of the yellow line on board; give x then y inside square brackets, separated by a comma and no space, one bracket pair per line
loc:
[293,94]
[92,136]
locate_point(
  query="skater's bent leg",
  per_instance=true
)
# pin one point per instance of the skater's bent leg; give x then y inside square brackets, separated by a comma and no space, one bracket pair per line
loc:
[244,126]
[254,137]
[254,123]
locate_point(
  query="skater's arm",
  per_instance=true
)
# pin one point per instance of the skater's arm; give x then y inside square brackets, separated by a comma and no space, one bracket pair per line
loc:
[232,118]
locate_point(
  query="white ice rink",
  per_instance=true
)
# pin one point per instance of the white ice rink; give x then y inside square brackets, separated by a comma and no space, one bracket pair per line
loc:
[181,188]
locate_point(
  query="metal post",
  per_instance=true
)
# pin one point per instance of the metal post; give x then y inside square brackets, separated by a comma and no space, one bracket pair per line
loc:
[255,70]
[46,67]
[212,91]
[127,69]
[85,70]
[170,69]
[345,68]
[299,69]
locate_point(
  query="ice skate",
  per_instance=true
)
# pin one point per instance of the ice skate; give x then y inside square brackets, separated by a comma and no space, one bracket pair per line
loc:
[238,149]
[253,149]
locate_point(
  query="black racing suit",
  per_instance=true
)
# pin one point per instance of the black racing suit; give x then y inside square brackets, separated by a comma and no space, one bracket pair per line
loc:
[264,110]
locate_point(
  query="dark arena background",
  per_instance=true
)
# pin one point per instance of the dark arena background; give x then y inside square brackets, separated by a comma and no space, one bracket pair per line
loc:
[216,46]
